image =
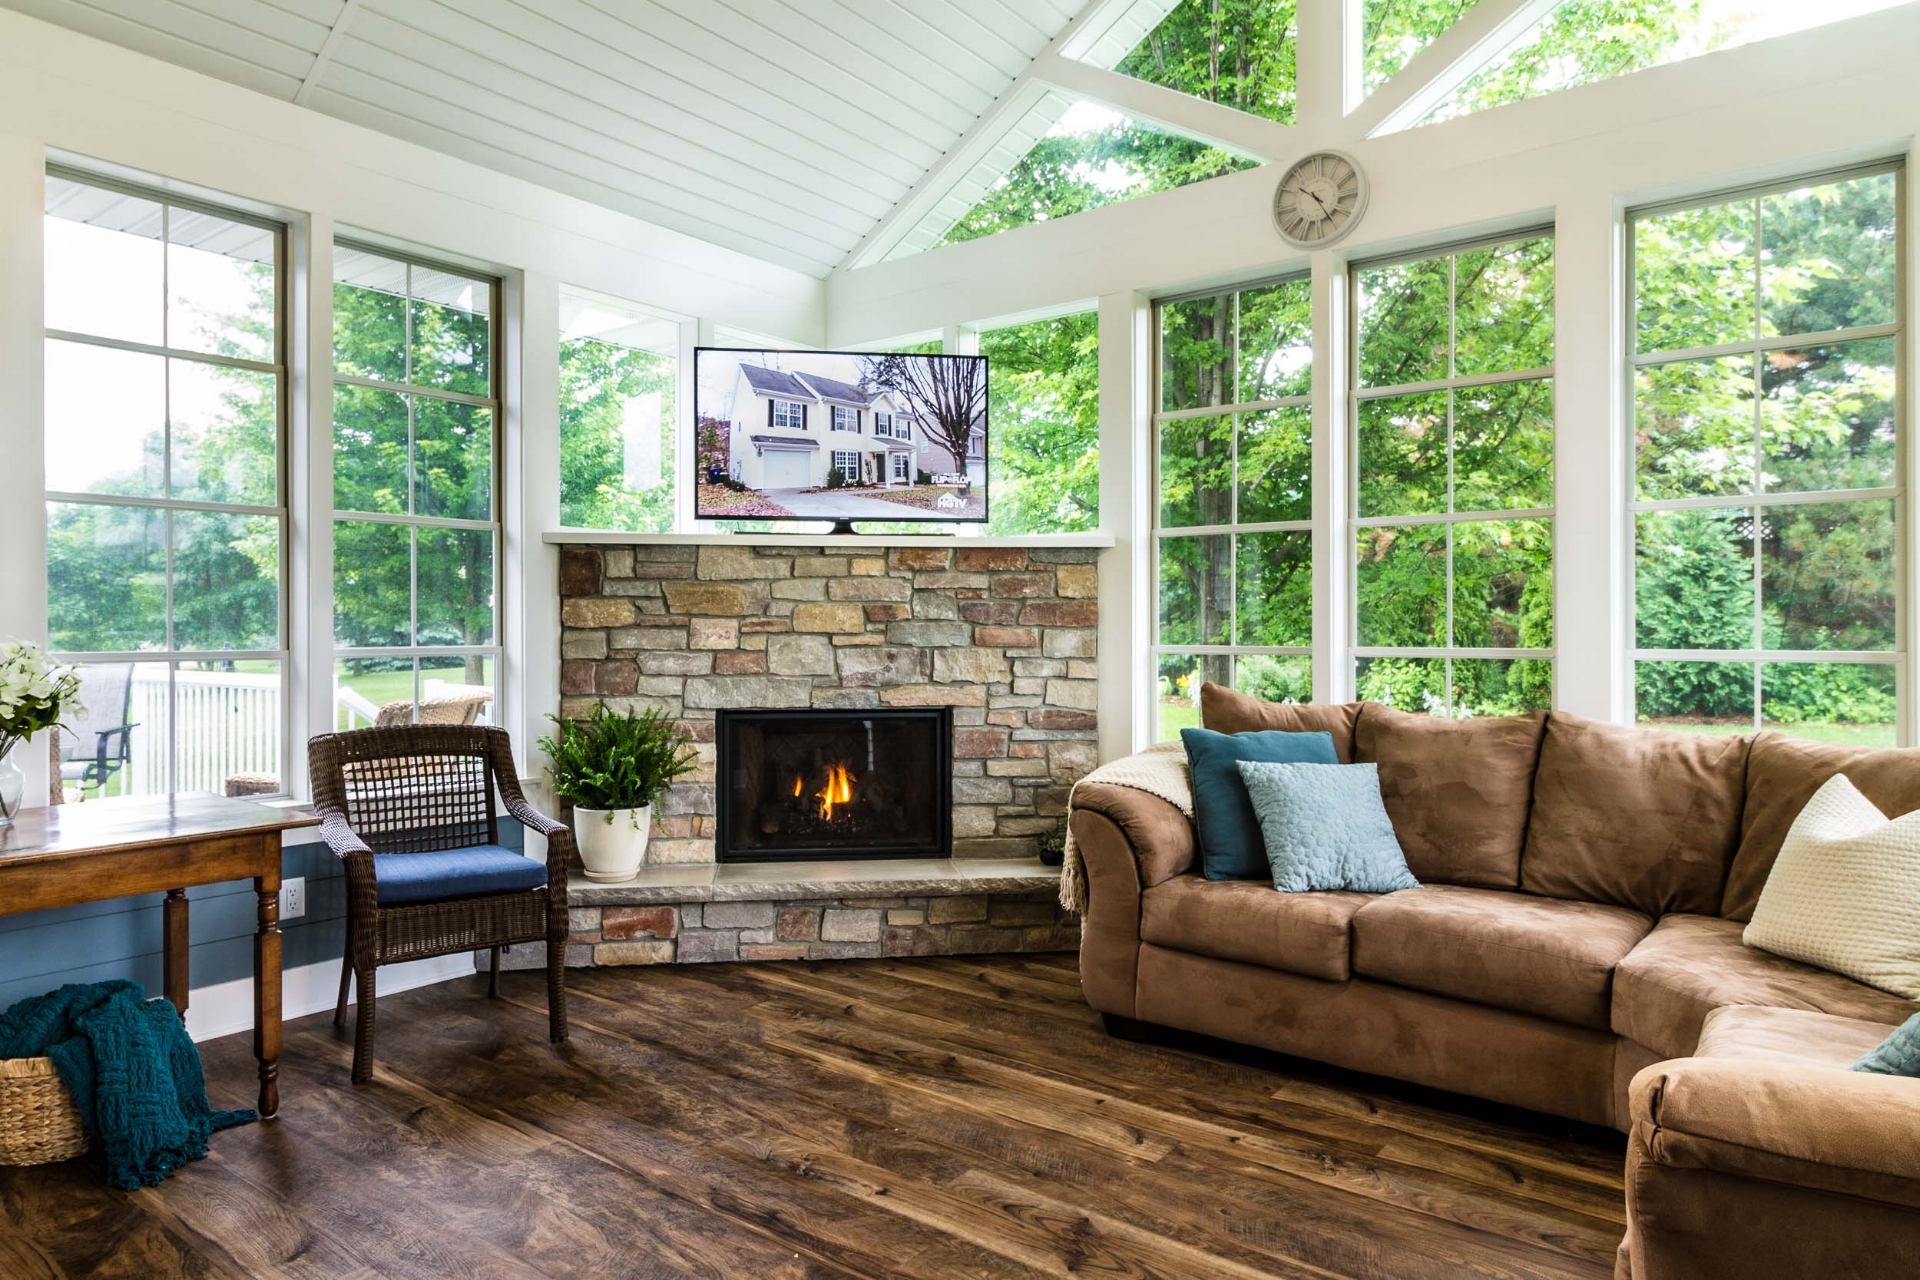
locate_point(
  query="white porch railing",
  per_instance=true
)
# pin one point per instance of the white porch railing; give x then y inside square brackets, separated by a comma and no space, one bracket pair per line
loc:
[225,722]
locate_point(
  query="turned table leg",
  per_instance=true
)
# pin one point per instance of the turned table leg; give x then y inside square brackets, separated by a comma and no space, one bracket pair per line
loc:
[174,943]
[266,988]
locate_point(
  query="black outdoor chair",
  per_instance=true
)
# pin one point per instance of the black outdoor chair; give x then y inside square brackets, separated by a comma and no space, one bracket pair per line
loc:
[97,743]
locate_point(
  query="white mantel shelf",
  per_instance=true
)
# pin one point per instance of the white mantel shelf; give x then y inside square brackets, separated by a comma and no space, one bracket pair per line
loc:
[617,538]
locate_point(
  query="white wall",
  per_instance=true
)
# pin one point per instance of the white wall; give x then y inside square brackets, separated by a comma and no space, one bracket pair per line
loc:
[1835,95]
[97,104]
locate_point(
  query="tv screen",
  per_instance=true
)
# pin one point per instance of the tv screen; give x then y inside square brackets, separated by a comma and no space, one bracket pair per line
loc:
[836,435]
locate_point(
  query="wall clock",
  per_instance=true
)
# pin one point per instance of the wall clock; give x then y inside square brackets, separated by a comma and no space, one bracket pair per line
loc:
[1319,200]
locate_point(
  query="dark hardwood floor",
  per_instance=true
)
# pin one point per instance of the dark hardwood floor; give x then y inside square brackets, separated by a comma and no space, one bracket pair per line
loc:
[933,1118]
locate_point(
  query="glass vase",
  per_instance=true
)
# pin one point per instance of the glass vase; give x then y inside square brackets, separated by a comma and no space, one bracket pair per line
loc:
[13,783]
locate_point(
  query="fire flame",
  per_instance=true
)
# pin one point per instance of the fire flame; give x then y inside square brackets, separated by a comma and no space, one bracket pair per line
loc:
[839,790]
[797,784]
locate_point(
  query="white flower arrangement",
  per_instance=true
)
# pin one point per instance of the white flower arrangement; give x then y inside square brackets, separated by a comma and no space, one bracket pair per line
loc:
[34,692]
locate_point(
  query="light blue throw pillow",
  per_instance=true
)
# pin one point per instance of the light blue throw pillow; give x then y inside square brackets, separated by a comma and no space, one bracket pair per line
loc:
[1898,1054]
[1326,827]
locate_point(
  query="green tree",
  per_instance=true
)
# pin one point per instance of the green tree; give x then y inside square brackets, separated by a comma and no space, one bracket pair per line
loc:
[1044,433]
[597,380]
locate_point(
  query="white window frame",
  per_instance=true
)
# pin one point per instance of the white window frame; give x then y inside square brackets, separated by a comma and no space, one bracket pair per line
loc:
[1759,501]
[847,461]
[494,403]
[903,466]
[1232,530]
[882,423]
[1356,395]
[789,415]
[171,656]
[845,419]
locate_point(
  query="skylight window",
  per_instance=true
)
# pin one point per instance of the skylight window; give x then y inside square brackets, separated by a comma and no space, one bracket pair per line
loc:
[1239,55]
[1091,156]
[1586,41]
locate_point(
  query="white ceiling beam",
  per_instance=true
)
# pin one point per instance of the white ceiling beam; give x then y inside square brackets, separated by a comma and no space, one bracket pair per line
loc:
[980,138]
[1460,52]
[1223,127]
[324,57]
[1320,37]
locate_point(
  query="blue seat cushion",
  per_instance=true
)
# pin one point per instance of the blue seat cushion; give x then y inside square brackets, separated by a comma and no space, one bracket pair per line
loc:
[407,879]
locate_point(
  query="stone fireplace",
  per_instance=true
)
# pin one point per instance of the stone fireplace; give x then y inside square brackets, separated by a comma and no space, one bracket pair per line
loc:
[796,785]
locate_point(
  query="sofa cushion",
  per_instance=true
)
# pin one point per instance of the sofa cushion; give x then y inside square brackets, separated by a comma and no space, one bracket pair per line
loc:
[1225,710]
[1788,1035]
[1325,827]
[1458,791]
[1691,965]
[1782,775]
[1232,845]
[1545,956]
[1640,818]
[1303,933]
[407,879]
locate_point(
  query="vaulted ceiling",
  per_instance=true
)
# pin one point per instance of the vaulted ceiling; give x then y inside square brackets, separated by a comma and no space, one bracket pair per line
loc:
[785,129]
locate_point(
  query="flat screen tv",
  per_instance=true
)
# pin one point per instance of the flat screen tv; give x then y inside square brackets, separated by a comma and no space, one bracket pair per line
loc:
[840,436]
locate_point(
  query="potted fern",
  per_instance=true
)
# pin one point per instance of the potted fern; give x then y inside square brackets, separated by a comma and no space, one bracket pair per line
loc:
[611,767]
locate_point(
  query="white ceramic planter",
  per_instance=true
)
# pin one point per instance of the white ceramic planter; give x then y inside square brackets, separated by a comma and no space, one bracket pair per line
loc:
[612,850]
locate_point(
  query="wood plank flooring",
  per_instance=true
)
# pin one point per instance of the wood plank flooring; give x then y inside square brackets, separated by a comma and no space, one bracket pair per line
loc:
[929,1119]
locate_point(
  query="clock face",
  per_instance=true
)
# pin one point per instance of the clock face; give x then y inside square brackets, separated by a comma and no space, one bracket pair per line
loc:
[1319,200]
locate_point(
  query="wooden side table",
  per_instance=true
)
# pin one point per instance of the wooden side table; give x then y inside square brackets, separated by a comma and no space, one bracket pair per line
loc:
[65,855]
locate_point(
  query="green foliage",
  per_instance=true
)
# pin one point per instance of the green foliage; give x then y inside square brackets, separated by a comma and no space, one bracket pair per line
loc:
[1239,53]
[1393,31]
[1044,439]
[597,379]
[836,478]
[617,760]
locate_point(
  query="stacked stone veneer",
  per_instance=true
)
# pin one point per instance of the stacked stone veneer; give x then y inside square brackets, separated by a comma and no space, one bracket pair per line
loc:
[1004,636]
[914,924]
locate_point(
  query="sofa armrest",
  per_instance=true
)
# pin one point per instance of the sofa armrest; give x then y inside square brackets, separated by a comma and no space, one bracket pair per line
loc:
[1813,1127]
[1160,836]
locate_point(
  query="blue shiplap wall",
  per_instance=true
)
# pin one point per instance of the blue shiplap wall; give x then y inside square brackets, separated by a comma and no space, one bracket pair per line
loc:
[121,938]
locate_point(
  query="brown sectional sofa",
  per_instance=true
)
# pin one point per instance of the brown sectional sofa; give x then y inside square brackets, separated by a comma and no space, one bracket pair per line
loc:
[1576,950]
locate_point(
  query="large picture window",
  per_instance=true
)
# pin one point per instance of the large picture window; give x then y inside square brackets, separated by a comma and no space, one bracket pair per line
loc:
[416,528]
[1044,386]
[619,381]
[1453,479]
[1766,390]
[1234,477]
[166,506]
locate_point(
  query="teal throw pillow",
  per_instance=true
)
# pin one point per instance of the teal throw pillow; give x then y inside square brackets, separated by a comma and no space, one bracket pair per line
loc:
[1326,828]
[1898,1054]
[1231,844]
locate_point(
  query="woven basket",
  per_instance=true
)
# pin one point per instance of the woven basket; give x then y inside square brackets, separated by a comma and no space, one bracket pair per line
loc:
[38,1121]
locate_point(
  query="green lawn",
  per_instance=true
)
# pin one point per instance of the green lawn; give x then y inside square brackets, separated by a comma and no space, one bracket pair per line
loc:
[382,687]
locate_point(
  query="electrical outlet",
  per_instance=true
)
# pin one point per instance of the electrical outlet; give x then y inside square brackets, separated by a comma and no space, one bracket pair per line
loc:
[293,898]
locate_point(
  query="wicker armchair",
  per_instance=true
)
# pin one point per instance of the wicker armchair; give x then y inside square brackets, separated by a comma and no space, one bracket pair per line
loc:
[413,790]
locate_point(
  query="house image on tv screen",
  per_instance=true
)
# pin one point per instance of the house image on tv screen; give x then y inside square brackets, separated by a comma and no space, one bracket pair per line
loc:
[790,429]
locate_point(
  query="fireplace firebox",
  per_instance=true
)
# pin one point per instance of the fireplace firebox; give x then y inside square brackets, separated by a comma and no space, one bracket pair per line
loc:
[835,784]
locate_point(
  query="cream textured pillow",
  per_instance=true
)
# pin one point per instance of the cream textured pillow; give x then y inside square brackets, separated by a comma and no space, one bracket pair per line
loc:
[1845,892]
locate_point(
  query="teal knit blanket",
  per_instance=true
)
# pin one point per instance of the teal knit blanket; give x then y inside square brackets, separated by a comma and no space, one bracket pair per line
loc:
[132,1070]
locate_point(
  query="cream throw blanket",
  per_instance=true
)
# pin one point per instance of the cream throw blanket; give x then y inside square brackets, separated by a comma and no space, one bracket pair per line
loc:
[1160,771]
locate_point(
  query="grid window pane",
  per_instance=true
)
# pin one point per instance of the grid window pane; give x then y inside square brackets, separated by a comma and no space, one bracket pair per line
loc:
[1275,326]
[1827,576]
[1403,455]
[1196,352]
[106,416]
[1693,428]
[372,584]
[1196,589]
[456,586]
[1413,685]
[1694,274]
[1500,686]
[370,463]
[451,332]
[1828,257]
[1274,677]
[1694,579]
[1177,681]
[1829,418]
[105,263]
[1404,322]
[226,581]
[1694,697]
[452,459]
[369,315]
[221,294]
[1850,703]
[1503,584]
[1274,573]
[1401,586]
[1503,308]
[106,578]
[227,717]
[1275,465]
[458,690]
[1503,446]
[223,432]
[1196,472]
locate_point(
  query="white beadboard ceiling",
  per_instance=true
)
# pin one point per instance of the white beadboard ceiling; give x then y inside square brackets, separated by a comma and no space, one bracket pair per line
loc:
[785,129]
